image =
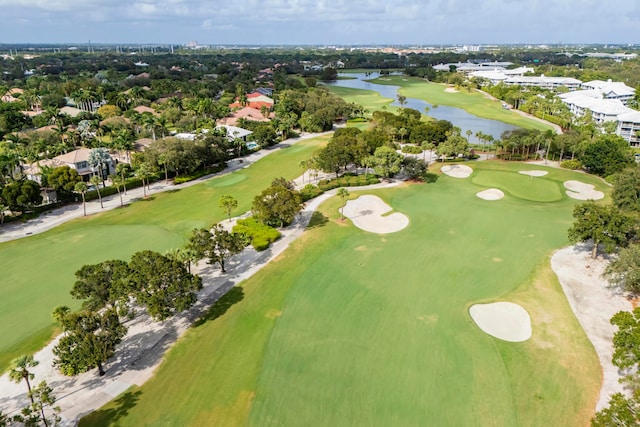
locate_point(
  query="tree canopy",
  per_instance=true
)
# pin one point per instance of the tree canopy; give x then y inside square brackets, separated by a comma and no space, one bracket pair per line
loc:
[277,205]
[162,284]
[604,224]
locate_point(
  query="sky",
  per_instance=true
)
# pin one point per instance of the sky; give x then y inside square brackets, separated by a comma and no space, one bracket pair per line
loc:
[320,22]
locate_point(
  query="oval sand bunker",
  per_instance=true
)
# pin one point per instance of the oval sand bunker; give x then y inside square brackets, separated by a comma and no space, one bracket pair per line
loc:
[457,171]
[491,194]
[366,212]
[504,320]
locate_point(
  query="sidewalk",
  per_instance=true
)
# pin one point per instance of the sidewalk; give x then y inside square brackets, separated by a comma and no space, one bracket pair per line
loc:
[17,229]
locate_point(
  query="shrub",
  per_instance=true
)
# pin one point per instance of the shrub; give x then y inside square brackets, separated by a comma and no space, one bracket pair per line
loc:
[411,149]
[261,235]
[574,164]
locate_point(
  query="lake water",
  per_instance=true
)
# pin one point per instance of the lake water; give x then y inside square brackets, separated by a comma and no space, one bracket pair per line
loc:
[459,117]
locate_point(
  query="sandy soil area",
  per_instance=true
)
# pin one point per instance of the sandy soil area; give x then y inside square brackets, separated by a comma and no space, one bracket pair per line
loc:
[450,90]
[367,213]
[491,194]
[457,171]
[581,191]
[504,320]
[534,173]
[594,303]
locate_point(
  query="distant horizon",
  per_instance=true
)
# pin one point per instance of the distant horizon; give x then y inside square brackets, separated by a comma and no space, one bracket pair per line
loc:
[321,22]
[604,45]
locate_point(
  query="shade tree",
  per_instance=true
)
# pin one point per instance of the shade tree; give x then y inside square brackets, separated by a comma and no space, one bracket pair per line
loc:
[162,284]
[278,205]
[89,339]
[603,224]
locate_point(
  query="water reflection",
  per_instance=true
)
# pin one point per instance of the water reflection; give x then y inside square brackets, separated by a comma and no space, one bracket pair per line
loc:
[459,117]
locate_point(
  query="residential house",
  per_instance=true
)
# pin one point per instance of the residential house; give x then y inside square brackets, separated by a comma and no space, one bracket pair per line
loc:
[76,159]
[246,113]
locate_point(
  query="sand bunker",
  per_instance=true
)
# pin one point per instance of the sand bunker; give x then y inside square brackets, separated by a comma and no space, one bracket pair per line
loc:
[367,211]
[534,173]
[450,90]
[504,320]
[582,191]
[491,194]
[457,171]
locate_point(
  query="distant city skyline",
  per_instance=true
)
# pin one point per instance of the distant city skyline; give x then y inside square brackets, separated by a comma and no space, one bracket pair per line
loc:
[321,22]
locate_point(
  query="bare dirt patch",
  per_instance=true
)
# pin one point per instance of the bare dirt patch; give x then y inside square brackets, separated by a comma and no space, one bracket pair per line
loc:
[503,320]
[593,302]
[371,214]
[457,171]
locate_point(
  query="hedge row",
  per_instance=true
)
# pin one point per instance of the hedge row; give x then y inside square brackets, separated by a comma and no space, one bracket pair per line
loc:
[199,174]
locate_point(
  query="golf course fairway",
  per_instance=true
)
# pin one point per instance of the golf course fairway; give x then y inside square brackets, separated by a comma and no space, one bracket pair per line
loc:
[352,328]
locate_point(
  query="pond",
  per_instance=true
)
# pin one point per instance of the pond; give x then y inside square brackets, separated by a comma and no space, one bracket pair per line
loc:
[459,117]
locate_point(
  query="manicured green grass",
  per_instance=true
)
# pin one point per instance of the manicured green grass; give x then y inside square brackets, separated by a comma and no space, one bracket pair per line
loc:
[354,328]
[475,103]
[369,99]
[38,271]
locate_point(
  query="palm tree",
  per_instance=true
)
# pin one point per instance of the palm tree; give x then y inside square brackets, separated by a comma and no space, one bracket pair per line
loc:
[122,169]
[115,180]
[343,193]
[99,158]
[81,187]
[20,371]
[143,171]
[95,180]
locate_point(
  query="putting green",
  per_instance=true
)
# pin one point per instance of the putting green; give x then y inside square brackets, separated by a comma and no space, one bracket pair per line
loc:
[535,189]
[351,328]
[38,271]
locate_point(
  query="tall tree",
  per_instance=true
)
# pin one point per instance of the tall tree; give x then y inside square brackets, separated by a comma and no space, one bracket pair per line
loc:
[626,190]
[604,225]
[88,341]
[105,284]
[343,193]
[228,203]
[95,181]
[20,371]
[386,161]
[81,187]
[218,246]
[161,284]
[278,205]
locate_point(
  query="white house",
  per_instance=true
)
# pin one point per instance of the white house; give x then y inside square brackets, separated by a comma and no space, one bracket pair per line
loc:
[629,127]
[610,90]
[544,82]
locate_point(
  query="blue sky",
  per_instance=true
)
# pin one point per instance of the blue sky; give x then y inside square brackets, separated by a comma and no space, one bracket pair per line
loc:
[419,22]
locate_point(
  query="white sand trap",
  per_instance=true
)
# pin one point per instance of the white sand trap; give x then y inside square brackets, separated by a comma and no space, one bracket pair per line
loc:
[582,191]
[457,171]
[450,90]
[491,194]
[504,320]
[366,213]
[534,173]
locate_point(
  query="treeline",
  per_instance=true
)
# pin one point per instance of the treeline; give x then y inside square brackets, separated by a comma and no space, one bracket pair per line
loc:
[615,230]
